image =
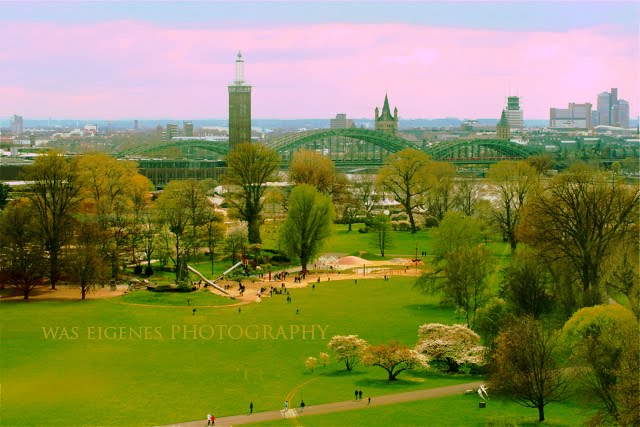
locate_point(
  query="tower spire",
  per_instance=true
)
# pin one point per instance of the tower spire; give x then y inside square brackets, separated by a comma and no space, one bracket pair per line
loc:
[239,69]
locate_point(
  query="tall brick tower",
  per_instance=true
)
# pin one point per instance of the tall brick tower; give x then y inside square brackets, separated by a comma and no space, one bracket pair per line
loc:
[239,107]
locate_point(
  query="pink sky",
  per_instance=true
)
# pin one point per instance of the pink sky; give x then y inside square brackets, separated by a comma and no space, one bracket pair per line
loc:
[135,69]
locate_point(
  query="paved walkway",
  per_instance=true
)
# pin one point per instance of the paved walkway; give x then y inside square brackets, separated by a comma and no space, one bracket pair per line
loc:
[335,407]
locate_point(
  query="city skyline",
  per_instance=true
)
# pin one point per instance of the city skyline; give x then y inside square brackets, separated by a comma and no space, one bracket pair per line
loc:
[313,59]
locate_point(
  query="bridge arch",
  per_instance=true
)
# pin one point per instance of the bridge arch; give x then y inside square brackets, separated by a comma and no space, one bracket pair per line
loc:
[342,145]
[220,149]
[479,151]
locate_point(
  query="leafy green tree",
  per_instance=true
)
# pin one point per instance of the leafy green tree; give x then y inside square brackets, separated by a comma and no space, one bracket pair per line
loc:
[21,247]
[441,196]
[54,187]
[525,366]
[527,284]
[405,176]
[86,263]
[309,222]
[605,351]
[311,167]
[5,189]
[579,220]
[454,231]
[249,168]
[381,236]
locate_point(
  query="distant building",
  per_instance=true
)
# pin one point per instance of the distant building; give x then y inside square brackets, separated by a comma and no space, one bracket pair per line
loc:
[188,128]
[502,130]
[515,115]
[90,130]
[613,111]
[595,118]
[135,125]
[577,116]
[17,124]
[385,121]
[239,107]
[170,133]
[340,122]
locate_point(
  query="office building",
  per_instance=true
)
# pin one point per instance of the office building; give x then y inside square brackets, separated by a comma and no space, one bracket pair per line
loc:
[17,124]
[188,128]
[239,107]
[340,122]
[135,125]
[170,132]
[576,116]
[613,111]
[515,116]
[385,121]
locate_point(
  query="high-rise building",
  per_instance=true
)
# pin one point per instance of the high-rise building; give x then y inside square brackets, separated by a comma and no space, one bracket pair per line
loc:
[613,111]
[385,121]
[340,122]
[514,113]
[172,130]
[623,113]
[577,116]
[188,128]
[502,130]
[595,118]
[135,125]
[239,107]
[17,124]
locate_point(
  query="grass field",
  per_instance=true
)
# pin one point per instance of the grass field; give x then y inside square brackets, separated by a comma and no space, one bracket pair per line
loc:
[147,358]
[92,375]
[452,411]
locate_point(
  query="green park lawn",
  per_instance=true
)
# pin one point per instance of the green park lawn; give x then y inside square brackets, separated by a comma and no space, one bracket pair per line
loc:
[451,411]
[134,360]
[97,376]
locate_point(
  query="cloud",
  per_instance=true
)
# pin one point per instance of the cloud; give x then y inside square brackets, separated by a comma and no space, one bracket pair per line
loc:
[130,68]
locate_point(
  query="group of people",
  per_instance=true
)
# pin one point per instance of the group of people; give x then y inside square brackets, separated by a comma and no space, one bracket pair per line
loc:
[211,420]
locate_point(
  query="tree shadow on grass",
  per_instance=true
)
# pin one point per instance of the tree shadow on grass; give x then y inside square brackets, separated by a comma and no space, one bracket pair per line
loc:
[344,373]
[383,383]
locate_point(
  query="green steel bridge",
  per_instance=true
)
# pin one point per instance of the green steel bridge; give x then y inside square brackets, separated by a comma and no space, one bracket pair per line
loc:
[350,148]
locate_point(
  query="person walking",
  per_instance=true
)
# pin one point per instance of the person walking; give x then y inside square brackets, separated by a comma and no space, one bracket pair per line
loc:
[250,408]
[360,394]
[213,420]
[302,405]
[356,393]
[208,419]
[369,401]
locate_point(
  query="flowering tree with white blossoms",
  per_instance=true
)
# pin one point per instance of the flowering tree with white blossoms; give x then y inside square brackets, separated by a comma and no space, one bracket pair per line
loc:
[454,345]
[393,358]
[347,348]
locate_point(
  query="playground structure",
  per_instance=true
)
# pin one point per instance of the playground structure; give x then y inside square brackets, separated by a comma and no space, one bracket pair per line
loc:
[211,282]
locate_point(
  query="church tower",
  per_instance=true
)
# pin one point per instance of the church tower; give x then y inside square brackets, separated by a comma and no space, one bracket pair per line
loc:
[503,130]
[239,107]
[385,121]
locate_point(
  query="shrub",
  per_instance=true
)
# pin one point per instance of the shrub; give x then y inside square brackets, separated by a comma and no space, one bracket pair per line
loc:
[363,230]
[148,271]
[137,269]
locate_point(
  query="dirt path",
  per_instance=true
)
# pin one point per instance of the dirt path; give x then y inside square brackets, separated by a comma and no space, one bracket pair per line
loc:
[335,406]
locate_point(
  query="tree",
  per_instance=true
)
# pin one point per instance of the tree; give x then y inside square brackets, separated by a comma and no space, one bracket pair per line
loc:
[215,232]
[394,358]
[621,272]
[21,247]
[110,192]
[467,196]
[527,285]
[310,363]
[249,168]
[455,231]
[5,189]
[347,349]
[54,185]
[365,192]
[579,219]
[441,197]
[405,176]
[462,279]
[512,184]
[86,266]
[524,366]
[311,167]
[350,207]
[605,351]
[308,223]
[235,242]
[381,236]
[182,206]
[453,345]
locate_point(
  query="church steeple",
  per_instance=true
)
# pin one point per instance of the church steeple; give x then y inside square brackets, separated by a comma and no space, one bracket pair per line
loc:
[503,130]
[384,120]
